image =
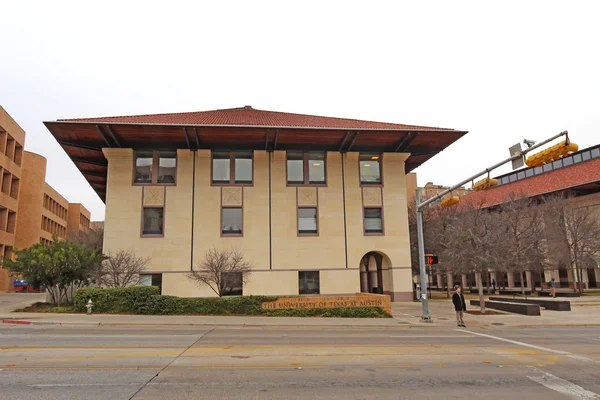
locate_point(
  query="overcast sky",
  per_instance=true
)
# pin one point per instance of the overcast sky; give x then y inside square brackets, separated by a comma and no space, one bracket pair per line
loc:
[516,70]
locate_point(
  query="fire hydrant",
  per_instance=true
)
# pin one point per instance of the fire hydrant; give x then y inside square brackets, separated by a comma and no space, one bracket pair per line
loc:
[89,306]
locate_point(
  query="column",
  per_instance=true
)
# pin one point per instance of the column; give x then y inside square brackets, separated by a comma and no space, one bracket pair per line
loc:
[440,281]
[464,281]
[450,279]
[511,280]
[529,280]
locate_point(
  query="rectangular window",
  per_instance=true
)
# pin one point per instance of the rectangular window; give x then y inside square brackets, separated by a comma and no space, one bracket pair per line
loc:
[233,283]
[520,174]
[595,153]
[14,187]
[576,158]
[232,167]
[373,220]
[6,181]
[231,221]
[307,220]
[556,164]
[154,219]
[306,168]
[529,173]
[538,170]
[567,161]
[308,282]
[547,167]
[155,167]
[370,169]
[586,155]
[151,280]
[167,166]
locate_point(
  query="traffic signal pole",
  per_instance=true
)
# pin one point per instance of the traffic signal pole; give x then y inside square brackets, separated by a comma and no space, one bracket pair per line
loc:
[420,207]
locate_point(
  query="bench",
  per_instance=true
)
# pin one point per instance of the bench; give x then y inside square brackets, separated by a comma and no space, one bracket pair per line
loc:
[555,305]
[559,294]
[516,308]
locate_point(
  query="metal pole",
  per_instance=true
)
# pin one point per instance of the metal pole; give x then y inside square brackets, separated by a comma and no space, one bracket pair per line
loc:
[426,317]
[489,169]
[423,274]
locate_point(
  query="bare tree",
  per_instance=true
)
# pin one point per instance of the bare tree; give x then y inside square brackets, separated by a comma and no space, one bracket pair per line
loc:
[476,237]
[222,271]
[575,228]
[121,269]
[519,224]
[92,238]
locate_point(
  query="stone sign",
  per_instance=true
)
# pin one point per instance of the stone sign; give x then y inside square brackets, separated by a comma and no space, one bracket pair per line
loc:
[358,300]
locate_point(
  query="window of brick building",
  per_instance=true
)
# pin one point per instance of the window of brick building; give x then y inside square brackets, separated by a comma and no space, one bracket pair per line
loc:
[306,168]
[232,221]
[155,167]
[373,221]
[232,167]
[309,282]
[153,221]
[370,169]
[308,221]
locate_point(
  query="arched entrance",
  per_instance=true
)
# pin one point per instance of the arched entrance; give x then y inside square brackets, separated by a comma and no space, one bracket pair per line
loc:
[371,273]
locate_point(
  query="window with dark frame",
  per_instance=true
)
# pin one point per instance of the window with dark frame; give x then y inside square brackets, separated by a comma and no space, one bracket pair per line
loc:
[231,221]
[370,169]
[373,220]
[153,224]
[306,168]
[233,283]
[155,167]
[307,221]
[309,282]
[232,167]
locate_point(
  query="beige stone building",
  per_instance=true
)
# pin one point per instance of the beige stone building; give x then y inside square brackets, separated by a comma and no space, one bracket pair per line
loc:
[31,211]
[318,205]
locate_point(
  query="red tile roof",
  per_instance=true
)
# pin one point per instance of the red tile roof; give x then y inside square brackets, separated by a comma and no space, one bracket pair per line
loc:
[553,181]
[248,116]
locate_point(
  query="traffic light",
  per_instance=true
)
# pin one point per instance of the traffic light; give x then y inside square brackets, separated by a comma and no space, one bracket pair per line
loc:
[449,201]
[430,259]
[553,153]
[485,184]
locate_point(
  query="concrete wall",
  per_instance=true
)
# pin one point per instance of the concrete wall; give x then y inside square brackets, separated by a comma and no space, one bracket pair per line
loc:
[272,245]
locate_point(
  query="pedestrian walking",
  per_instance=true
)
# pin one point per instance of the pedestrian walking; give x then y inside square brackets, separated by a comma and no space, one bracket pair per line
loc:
[552,287]
[459,305]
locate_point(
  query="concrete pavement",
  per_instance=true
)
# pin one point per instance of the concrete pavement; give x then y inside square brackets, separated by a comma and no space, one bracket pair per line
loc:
[192,362]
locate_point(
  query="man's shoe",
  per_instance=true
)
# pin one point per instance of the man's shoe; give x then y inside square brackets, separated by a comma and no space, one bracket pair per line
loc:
[464,326]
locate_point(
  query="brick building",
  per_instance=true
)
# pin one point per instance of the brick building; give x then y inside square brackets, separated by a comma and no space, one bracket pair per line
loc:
[31,211]
[317,204]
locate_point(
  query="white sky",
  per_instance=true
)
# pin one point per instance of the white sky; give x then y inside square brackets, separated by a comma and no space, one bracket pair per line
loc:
[504,72]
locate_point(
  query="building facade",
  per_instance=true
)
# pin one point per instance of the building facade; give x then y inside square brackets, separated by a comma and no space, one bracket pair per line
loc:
[317,205]
[31,211]
[12,140]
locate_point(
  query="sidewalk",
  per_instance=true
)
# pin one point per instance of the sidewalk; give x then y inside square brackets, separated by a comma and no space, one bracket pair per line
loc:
[585,312]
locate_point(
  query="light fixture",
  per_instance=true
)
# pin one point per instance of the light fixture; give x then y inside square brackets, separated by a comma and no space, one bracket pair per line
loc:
[375,158]
[316,164]
[366,165]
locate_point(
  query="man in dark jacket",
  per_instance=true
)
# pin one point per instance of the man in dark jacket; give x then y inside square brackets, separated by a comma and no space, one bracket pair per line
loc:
[460,306]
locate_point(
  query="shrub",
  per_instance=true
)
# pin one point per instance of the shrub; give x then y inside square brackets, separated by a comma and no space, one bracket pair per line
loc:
[147,300]
[115,300]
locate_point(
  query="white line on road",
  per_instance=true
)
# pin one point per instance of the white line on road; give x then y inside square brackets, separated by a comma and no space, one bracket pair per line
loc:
[428,337]
[532,346]
[563,386]
[82,384]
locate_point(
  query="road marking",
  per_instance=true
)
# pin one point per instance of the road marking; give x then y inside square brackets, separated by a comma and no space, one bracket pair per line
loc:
[563,386]
[427,337]
[532,346]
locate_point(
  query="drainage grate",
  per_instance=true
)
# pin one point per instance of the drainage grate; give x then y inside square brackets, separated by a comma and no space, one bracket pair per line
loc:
[497,323]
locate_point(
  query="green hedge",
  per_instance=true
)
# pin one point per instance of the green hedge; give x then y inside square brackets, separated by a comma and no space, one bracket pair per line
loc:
[147,300]
[114,300]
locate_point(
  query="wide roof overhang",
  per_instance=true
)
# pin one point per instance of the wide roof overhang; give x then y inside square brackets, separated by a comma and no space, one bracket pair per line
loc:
[83,141]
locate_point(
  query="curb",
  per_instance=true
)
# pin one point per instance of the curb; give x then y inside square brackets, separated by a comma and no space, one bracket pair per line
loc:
[16,321]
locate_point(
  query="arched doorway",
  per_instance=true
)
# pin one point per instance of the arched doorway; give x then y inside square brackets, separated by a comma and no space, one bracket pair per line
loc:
[371,273]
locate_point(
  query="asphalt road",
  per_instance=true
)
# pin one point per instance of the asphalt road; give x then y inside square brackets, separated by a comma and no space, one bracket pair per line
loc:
[54,362]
